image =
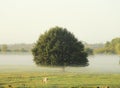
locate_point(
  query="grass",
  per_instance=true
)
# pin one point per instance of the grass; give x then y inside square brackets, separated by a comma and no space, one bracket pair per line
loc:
[58,80]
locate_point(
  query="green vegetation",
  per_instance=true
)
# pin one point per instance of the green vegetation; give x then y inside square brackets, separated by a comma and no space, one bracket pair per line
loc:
[58,80]
[89,51]
[4,48]
[16,48]
[58,47]
[112,47]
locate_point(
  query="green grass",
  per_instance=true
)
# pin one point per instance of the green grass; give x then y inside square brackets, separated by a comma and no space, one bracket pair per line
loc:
[58,80]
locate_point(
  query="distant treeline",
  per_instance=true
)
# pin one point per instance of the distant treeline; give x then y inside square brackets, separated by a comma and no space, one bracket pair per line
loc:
[112,47]
[89,48]
[16,47]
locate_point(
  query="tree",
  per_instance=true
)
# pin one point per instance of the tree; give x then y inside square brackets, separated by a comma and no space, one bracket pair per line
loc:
[4,48]
[59,47]
[117,48]
[112,47]
[89,51]
[23,50]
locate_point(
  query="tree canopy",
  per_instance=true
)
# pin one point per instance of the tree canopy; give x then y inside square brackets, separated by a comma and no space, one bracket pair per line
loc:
[58,47]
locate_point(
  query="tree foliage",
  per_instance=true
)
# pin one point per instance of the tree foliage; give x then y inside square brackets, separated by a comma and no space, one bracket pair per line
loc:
[58,47]
[4,48]
[89,51]
[112,47]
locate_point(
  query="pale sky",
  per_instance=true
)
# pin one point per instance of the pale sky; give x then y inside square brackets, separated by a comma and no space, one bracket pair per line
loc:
[92,21]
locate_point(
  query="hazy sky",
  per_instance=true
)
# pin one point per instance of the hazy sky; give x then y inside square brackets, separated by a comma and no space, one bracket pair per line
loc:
[92,21]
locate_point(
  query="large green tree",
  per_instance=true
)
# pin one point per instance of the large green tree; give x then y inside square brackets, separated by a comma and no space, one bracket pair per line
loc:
[59,47]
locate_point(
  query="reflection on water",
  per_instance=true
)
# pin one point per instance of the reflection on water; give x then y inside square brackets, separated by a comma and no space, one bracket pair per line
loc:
[97,63]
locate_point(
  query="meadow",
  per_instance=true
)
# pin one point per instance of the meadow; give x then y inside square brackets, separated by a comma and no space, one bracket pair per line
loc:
[22,73]
[58,80]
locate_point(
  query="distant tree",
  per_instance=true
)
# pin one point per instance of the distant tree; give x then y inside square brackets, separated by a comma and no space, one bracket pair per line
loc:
[23,50]
[117,48]
[4,48]
[99,51]
[16,50]
[107,44]
[89,51]
[59,47]
[112,47]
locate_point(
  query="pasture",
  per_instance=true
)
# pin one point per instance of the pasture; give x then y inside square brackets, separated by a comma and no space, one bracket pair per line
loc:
[19,71]
[57,80]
